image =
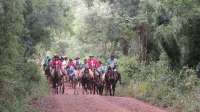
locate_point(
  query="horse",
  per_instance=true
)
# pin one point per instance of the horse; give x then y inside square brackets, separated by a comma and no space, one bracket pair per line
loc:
[99,82]
[111,79]
[57,79]
[47,72]
[73,78]
[86,81]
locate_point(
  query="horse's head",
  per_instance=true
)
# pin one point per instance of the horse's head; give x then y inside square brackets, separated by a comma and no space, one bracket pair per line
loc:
[86,70]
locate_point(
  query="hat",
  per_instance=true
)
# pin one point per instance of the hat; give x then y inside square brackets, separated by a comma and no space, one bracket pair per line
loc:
[91,56]
[77,58]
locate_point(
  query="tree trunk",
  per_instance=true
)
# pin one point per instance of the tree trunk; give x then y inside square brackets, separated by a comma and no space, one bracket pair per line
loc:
[125,48]
[142,43]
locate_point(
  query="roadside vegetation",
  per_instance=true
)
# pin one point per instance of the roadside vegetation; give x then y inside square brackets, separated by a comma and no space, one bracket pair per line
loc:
[158,84]
[25,27]
[156,41]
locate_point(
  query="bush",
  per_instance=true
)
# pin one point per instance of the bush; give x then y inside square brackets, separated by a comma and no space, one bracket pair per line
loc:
[158,84]
[18,87]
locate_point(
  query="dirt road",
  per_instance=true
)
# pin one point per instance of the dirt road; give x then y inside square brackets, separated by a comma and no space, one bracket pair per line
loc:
[92,103]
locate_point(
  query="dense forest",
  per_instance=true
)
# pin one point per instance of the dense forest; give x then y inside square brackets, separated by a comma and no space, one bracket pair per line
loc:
[156,41]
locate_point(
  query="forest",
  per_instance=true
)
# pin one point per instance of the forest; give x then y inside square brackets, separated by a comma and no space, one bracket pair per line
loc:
[156,42]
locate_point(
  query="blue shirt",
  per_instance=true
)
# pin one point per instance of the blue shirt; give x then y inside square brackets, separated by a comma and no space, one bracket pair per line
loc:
[112,63]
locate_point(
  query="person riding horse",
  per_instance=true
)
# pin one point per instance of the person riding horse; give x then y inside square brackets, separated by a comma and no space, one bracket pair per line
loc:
[86,81]
[111,78]
[71,71]
[46,62]
[57,75]
[112,62]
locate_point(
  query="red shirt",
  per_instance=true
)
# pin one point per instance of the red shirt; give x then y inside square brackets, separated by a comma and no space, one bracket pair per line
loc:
[57,64]
[98,64]
[92,63]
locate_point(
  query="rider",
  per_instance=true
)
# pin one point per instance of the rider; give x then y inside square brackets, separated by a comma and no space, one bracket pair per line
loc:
[56,63]
[85,63]
[92,62]
[64,64]
[99,66]
[71,68]
[46,62]
[70,63]
[77,63]
[112,62]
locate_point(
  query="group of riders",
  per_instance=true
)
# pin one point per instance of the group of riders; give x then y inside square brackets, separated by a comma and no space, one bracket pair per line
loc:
[91,74]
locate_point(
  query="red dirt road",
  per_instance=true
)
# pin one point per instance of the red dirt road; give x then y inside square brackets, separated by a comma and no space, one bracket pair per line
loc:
[92,103]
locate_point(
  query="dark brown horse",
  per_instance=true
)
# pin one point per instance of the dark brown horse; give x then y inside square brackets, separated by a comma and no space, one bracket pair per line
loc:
[111,79]
[98,83]
[57,79]
[86,81]
[47,72]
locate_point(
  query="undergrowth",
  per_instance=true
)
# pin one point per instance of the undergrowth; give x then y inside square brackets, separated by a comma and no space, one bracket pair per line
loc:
[20,84]
[158,84]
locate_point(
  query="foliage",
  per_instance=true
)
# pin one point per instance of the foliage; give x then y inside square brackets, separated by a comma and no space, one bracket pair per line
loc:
[158,84]
[155,40]
[25,25]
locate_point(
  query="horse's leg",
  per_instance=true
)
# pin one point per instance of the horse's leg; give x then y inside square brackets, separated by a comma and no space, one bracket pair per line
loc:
[106,90]
[54,86]
[91,88]
[83,88]
[100,89]
[63,85]
[74,87]
[110,90]
[59,89]
[113,88]
[86,88]
[94,88]
[56,89]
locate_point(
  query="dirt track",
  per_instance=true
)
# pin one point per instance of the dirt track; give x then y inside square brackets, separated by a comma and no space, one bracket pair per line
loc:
[92,103]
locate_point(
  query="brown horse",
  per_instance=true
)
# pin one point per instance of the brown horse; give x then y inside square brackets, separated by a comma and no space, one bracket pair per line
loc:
[47,72]
[98,83]
[86,81]
[57,79]
[111,79]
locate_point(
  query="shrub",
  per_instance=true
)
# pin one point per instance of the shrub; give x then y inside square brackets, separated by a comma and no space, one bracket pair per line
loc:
[158,84]
[18,87]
